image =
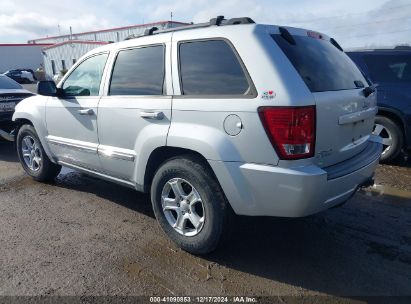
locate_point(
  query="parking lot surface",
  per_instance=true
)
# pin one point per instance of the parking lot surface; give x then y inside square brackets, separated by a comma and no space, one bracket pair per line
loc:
[84,236]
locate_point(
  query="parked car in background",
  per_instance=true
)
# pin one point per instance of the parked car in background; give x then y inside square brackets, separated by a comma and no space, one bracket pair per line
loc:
[21,75]
[390,70]
[11,93]
[210,118]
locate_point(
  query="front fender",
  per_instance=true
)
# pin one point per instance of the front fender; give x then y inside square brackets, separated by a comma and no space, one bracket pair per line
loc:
[33,109]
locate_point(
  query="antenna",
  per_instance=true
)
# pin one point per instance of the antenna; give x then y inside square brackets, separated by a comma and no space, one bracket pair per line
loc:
[171,17]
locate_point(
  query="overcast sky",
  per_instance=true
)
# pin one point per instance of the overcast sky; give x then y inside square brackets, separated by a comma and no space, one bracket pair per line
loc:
[354,23]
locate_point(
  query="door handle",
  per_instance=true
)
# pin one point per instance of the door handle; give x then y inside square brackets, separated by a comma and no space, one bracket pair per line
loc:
[86,112]
[152,115]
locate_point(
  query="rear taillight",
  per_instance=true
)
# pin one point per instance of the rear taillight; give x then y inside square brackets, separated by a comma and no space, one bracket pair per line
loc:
[291,130]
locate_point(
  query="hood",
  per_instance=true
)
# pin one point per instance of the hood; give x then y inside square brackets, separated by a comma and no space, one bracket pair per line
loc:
[15,91]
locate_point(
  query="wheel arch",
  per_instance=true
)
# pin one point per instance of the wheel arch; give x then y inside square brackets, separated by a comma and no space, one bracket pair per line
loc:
[25,118]
[162,154]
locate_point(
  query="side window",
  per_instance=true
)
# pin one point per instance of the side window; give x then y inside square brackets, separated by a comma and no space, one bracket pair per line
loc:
[138,71]
[86,78]
[211,68]
[389,68]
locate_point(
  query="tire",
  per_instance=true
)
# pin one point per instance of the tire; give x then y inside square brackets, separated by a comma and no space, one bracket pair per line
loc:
[209,208]
[393,139]
[40,168]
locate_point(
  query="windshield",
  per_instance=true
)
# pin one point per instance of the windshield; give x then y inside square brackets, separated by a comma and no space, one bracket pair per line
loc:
[389,68]
[321,65]
[8,84]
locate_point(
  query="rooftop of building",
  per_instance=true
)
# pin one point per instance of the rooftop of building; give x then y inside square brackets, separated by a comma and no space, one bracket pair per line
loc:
[34,41]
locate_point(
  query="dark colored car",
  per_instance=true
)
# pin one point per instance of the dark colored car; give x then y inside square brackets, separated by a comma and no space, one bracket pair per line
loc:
[390,71]
[11,93]
[21,75]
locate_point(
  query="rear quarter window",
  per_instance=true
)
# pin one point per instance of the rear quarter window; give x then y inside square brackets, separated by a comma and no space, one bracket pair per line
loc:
[320,64]
[211,68]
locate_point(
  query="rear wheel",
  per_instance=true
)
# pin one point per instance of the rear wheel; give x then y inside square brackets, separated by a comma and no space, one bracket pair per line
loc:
[392,138]
[32,156]
[189,204]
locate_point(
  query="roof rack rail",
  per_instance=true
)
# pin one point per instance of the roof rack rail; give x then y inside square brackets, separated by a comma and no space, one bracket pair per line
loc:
[218,21]
[132,36]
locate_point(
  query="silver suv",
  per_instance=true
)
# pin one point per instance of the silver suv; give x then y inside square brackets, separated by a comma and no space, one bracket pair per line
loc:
[223,117]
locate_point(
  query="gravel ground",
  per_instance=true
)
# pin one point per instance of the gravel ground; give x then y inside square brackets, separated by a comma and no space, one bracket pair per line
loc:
[82,236]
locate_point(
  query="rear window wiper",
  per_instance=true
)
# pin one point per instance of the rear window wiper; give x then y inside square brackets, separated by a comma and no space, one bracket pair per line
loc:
[368,90]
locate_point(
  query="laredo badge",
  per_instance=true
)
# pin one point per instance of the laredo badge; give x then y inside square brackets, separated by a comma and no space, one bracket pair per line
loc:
[268,95]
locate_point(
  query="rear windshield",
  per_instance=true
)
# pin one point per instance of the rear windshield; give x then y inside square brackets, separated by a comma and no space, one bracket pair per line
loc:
[322,66]
[389,68]
[8,84]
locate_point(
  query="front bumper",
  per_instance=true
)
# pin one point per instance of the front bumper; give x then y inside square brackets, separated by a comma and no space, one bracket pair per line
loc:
[6,128]
[263,190]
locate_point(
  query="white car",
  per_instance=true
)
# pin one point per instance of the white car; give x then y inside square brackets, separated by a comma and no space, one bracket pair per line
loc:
[211,119]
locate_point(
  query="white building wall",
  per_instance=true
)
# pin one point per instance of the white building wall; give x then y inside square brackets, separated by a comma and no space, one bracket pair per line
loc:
[67,52]
[114,35]
[20,57]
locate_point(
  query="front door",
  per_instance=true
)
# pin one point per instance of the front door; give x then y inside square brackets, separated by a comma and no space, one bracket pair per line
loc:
[72,118]
[135,112]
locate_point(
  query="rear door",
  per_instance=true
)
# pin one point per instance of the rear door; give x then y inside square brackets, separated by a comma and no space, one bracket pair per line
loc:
[345,116]
[135,113]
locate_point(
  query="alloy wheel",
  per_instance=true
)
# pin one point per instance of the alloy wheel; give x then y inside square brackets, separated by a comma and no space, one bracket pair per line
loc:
[386,136]
[31,153]
[183,207]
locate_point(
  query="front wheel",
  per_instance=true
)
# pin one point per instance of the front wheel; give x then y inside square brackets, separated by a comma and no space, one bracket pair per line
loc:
[189,204]
[32,156]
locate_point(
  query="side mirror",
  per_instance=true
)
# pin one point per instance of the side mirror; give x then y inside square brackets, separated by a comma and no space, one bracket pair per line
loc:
[48,88]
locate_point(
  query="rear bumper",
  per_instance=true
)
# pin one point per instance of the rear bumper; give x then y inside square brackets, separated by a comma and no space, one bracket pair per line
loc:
[262,190]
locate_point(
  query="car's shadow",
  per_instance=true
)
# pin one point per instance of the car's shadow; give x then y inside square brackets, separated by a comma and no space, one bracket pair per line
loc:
[126,197]
[8,151]
[347,251]
[404,160]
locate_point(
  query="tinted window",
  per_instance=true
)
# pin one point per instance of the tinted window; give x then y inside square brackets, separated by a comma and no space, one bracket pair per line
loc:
[138,72]
[86,78]
[389,68]
[320,64]
[211,68]
[8,84]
